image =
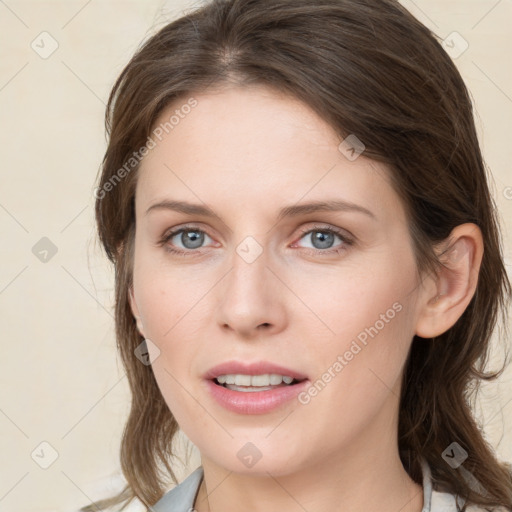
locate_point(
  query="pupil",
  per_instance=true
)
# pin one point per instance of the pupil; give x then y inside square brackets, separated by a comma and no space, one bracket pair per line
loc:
[192,237]
[324,239]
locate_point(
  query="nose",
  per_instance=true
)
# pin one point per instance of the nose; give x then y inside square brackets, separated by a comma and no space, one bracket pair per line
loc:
[251,298]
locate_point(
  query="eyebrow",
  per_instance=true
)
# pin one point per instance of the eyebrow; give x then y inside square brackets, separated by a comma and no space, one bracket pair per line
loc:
[333,205]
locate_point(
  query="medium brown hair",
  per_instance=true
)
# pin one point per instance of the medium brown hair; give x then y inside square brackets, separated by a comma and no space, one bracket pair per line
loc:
[368,68]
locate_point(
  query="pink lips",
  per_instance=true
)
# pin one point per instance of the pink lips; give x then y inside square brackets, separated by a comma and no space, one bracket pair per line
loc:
[253,402]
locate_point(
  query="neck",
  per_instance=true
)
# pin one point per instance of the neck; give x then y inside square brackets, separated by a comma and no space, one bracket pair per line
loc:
[359,480]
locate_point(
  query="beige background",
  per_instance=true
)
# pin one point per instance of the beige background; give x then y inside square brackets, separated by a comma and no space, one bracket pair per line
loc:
[61,381]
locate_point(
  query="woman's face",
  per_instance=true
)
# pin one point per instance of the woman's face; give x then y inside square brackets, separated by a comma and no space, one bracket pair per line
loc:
[262,281]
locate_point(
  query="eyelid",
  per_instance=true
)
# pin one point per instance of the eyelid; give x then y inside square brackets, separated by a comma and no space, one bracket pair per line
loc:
[342,233]
[172,232]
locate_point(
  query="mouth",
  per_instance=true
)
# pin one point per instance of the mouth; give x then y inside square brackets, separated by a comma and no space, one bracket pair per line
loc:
[253,388]
[254,383]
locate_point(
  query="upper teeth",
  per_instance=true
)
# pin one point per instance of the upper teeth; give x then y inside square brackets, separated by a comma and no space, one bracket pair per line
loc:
[272,379]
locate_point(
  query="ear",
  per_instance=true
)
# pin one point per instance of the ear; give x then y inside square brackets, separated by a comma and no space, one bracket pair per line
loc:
[445,299]
[135,311]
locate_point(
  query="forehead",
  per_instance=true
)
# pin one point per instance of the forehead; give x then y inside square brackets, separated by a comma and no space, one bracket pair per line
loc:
[250,148]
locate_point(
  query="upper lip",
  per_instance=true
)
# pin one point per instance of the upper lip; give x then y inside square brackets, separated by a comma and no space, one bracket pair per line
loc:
[255,368]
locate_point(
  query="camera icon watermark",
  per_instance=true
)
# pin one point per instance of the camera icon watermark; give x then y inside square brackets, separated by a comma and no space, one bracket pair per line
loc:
[507,193]
[454,455]
[44,455]
[249,454]
[44,45]
[455,45]
[147,352]
[44,250]
[249,249]
[351,147]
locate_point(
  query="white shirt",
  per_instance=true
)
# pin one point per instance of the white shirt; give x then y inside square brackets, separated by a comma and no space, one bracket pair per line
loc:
[181,498]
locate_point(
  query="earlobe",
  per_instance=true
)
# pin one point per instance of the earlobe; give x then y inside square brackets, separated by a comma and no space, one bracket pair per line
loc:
[455,284]
[135,311]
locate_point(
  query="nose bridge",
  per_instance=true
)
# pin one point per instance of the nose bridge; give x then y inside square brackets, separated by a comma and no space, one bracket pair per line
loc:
[250,297]
[249,275]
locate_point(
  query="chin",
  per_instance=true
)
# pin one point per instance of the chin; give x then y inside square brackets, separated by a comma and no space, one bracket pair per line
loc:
[258,457]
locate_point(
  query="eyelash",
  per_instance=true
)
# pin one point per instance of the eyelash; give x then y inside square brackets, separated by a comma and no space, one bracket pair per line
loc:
[347,242]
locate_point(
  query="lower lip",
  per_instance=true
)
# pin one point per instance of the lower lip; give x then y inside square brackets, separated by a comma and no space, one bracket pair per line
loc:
[255,402]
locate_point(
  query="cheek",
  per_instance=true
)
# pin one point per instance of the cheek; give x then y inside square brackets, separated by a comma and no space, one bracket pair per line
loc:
[166,295]
[359,299]
[170,302]
[371,317]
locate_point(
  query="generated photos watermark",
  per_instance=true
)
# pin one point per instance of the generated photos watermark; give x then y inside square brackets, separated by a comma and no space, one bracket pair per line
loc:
[356,346]
[137,156]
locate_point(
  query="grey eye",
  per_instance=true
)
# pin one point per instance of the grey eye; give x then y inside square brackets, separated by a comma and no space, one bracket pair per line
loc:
[322,239]
[191,238]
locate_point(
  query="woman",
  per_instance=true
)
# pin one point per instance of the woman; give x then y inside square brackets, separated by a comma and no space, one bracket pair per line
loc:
[308,262]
